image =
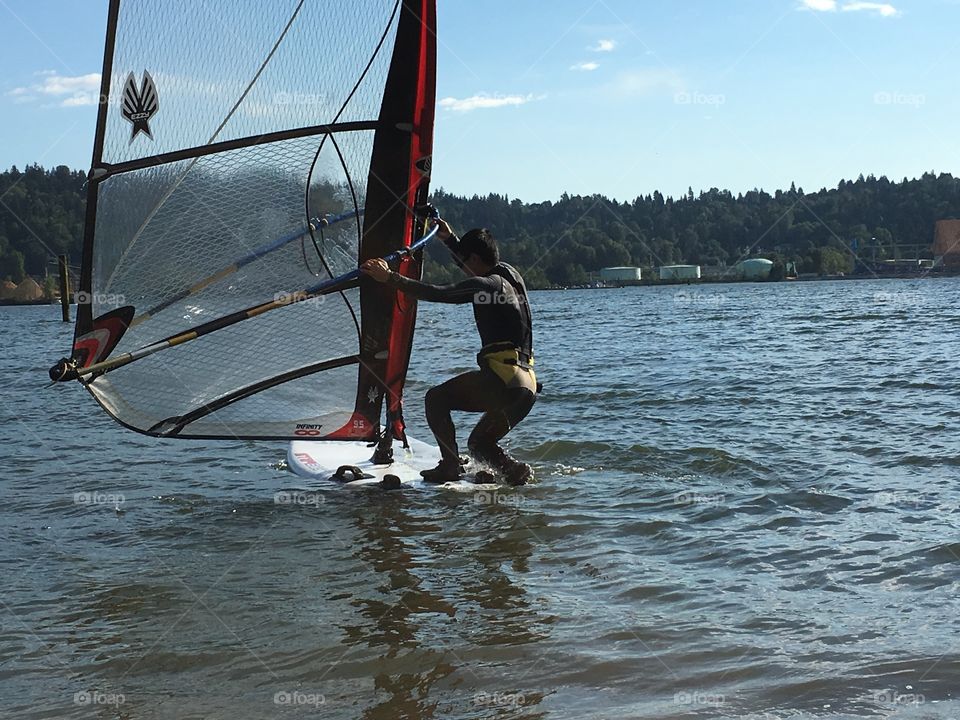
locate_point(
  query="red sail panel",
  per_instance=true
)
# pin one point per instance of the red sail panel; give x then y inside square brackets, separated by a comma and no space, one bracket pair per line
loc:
[398,182]
[405,308]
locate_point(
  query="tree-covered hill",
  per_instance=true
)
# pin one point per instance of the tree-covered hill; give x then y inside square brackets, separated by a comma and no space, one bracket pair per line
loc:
[559,243]
[41,216]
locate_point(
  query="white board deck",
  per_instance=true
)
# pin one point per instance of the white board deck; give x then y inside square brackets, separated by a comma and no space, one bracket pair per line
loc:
[319,460]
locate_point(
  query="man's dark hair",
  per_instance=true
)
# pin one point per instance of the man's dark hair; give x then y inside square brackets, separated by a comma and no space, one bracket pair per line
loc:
[480,242]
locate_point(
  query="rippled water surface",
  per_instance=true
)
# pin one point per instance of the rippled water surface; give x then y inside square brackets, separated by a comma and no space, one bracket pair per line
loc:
[746,506]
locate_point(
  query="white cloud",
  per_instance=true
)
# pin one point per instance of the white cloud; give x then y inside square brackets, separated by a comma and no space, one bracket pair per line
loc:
[643,82]
[883,9]
[20,96]
[79,101]
[604,46]
[72,91]
[61,85]
[585,66]
[483,101]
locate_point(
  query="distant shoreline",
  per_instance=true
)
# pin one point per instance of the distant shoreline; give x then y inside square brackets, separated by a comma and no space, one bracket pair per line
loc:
[654,282]
[41,301]
[639,283]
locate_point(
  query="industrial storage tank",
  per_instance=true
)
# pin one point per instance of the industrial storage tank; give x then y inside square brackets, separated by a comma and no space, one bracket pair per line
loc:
[620,274]
[679,272]
[754,268]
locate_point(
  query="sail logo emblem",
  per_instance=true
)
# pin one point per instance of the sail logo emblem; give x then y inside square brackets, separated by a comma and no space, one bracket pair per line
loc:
[306,430]
[424,165]
[140,105]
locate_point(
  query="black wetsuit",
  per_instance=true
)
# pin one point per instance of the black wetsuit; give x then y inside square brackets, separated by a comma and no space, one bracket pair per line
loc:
[504,388]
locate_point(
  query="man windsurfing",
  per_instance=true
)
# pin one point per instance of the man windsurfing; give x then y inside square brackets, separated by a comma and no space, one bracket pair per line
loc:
[504,389]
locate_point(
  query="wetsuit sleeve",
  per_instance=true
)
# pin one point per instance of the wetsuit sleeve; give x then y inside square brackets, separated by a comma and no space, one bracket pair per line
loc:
[462,292]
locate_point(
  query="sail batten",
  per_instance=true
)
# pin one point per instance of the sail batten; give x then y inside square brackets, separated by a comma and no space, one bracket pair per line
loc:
[106,169]
[224,134]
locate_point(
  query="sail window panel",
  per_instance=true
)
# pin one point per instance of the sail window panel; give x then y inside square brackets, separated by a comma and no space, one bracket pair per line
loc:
[321,403]
[164,231]
[295,409]
[182,379]
[204,57]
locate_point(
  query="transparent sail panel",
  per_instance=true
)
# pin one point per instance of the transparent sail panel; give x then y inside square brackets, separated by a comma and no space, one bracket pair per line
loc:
[238,150]
[191,241]
[304,408]
[236,223]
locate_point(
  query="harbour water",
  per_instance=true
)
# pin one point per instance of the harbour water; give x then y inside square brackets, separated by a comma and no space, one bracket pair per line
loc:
[746,505]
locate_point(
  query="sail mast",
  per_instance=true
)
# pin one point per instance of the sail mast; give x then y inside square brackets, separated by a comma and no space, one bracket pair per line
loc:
[84,290]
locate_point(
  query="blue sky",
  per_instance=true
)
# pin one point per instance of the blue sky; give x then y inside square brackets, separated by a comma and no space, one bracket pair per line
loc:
[620,97]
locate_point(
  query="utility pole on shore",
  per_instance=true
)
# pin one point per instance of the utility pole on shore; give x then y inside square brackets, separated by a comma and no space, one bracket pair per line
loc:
[64,287]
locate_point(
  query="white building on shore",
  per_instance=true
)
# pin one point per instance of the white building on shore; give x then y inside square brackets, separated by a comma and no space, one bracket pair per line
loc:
[620,274]
[679,272]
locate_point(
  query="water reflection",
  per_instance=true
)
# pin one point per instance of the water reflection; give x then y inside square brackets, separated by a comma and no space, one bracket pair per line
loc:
[450,596]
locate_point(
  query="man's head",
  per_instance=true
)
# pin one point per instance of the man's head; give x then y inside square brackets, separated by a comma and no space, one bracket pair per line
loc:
[478,251]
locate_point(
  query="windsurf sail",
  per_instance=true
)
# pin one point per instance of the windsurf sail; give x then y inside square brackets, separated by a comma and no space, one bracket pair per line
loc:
[248,157]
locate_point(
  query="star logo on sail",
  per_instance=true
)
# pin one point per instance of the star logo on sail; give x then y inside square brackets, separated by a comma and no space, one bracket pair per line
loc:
[139,104]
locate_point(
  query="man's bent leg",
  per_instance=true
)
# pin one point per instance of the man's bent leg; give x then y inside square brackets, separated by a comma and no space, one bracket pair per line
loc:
[515,404]
[466,392]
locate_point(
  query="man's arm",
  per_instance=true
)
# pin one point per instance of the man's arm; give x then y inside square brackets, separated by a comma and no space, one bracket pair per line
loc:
[462,292]
[450,239]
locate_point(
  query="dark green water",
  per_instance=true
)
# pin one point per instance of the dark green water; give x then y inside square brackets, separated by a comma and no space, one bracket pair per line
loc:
[747,506]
